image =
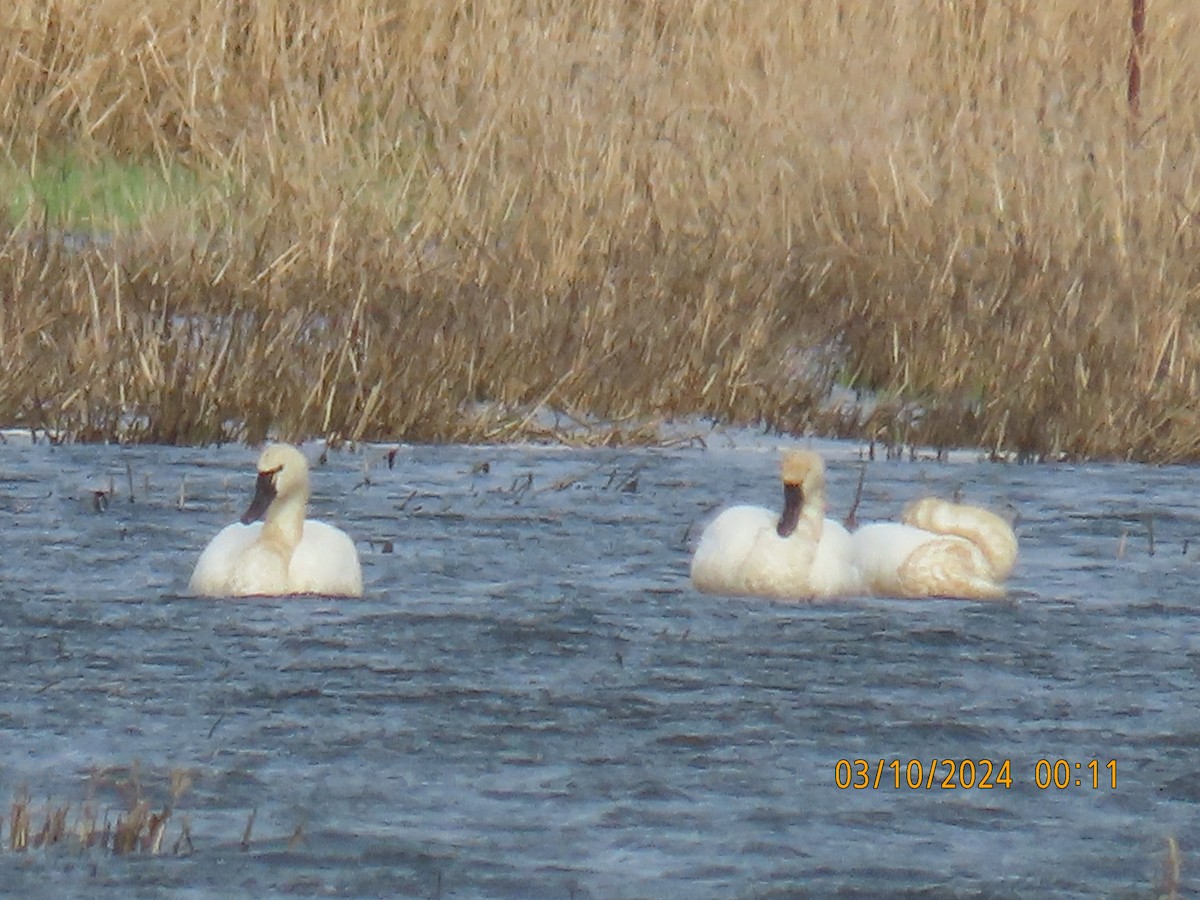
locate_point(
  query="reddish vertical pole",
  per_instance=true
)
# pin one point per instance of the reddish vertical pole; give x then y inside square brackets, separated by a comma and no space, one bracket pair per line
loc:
[1136,51]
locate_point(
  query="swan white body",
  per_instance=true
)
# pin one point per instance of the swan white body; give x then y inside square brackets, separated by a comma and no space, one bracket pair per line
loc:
[236,563]
[285,553]
[939,549]
[740,553]
[743,552]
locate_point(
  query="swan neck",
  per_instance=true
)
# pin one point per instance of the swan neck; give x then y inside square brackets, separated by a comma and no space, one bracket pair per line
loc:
[793,506]
[284,522]
[800,507]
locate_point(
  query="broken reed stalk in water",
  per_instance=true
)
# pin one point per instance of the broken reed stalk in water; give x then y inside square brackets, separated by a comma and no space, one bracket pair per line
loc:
[1171,868]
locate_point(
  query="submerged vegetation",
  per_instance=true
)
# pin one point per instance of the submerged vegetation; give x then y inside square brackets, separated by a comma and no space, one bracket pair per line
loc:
[431,220]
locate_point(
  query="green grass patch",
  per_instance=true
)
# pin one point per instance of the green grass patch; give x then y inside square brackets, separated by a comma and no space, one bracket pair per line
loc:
[74,193]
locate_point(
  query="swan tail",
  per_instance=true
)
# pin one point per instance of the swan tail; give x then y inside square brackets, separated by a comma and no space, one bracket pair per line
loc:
[993,536]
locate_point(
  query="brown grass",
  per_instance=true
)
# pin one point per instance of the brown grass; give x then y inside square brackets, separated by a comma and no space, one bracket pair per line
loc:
[428,220]
[135,829]
[1172,865]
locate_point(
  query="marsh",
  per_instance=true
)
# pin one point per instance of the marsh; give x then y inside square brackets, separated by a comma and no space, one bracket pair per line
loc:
[530,699]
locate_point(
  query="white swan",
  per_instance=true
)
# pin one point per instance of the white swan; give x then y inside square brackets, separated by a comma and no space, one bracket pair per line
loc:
[798,555]
[285,553]
[938,549]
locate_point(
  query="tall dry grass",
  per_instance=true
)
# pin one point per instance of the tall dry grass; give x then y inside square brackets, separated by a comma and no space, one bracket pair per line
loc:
[423,220]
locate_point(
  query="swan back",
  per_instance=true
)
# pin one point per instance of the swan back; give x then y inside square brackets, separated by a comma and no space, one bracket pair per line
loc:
[899,560]
[989,532]
[880,549]
[940,549]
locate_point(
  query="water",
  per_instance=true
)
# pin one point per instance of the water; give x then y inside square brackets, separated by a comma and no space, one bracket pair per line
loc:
[531,701]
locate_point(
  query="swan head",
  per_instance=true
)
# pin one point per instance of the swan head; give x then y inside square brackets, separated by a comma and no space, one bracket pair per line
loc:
[803,475]
[282,476]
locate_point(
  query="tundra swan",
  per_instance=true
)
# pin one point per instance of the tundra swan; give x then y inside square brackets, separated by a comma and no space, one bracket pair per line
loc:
[937,549]
[285,553]
[798,555]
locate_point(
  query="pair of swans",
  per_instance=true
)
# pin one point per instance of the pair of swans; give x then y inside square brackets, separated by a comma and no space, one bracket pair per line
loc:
[938,549]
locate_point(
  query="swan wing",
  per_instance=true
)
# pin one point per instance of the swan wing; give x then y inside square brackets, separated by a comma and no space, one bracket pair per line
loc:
[214,572]
[325,562]
[727,542]
[833,572]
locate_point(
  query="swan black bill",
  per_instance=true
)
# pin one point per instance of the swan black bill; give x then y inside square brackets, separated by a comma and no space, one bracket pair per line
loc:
[264,494]
[793,503]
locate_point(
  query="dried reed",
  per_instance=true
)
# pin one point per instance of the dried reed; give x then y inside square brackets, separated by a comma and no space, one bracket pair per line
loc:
[137,830]
[1172,865]
[432,220]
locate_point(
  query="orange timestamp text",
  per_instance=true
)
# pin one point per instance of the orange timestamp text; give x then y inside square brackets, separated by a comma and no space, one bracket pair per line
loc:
[923,774]
[969,774]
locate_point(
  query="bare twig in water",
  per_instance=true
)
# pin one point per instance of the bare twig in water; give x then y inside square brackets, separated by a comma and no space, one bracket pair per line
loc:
[183,844]
[297,837]
[249,828]
[521,484]
[220,719]
[851,519]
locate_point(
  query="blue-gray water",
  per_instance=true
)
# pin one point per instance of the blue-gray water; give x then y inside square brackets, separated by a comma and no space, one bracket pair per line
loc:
[531,701]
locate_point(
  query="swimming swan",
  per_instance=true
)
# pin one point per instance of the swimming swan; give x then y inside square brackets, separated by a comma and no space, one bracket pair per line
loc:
[938,549]
[285,553]
[798,555]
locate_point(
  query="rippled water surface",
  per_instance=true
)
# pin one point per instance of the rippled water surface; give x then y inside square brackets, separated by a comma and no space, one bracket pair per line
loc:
[531,701]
